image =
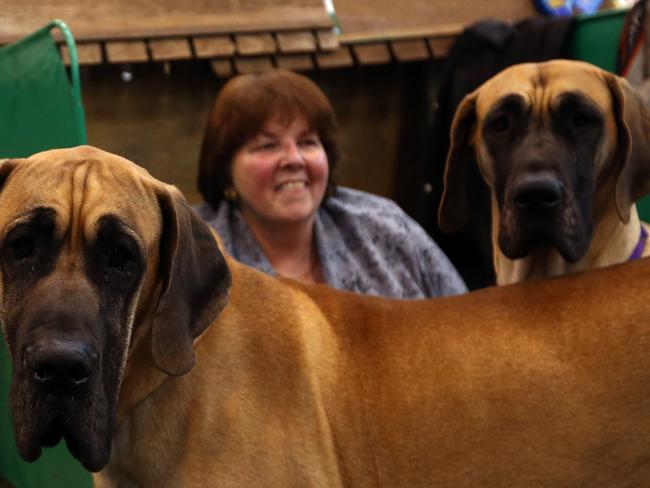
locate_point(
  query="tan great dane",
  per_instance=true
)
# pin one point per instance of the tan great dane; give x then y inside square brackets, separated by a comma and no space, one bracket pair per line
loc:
[163,364]
[561,145]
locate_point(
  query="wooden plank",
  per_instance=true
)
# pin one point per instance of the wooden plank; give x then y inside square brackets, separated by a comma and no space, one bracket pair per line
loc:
[255,44]
[295,62]
[340,58]
[362,17]
[440,46]
[113,20]
[170,49]
[327,40]
[410,34]
[222,67]
[372,53]
[253,64]
[213,46]
[414,50]
[87,53]
[126,52]
[296,42]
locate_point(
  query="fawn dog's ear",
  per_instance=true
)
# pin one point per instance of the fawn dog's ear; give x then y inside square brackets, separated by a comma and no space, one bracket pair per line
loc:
[633,151]
[453,212]
[195,285]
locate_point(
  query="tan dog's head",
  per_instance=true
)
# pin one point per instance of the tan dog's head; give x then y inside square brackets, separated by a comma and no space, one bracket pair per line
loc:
[91,249]
[547,139]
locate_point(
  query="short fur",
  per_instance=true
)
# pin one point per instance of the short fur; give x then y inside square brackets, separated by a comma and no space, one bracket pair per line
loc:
[569,136]
[541,384]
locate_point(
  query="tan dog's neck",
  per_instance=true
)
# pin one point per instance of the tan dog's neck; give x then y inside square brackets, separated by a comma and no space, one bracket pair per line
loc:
[613,242]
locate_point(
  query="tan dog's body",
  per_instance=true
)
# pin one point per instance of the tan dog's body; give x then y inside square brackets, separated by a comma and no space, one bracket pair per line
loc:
[315,387]
[556,142]
[296,385]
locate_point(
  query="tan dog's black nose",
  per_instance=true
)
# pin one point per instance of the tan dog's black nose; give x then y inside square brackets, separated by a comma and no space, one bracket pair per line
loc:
[537,193]
[61,366]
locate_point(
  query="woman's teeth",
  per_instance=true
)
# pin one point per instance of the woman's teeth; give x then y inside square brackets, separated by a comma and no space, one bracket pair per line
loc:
[289,185]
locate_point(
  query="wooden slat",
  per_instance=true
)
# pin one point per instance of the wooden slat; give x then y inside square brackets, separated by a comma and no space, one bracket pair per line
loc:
[401,34]
[170,49]
[327,40]
[296,42]
[295,62]
[372,53]
[253,64]
[335,59]
[255,44]
[405,51]
[368,17]
[440,46]
[126,52]
[213,46]
[118,20]
[222,67]
[87,53]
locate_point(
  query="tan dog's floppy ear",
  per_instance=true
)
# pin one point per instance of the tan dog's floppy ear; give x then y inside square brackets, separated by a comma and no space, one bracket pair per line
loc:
[633,150]
[454,208]
[196,281]
[6,167]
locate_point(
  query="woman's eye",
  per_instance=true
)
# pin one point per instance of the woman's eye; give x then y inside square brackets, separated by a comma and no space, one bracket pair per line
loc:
[22,248]
[312,141]
[264,146]
[118,258]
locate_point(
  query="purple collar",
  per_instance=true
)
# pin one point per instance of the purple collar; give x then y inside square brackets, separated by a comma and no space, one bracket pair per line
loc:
[640,246]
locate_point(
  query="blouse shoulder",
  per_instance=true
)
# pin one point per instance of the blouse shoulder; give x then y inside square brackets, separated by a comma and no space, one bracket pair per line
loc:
[389,246]
[350,203]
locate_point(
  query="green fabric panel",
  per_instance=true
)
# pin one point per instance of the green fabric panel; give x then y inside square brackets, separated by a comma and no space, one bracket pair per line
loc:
[595,38]
[38,110]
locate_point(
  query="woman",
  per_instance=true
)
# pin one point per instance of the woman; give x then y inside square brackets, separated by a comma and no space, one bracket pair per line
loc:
[265,171]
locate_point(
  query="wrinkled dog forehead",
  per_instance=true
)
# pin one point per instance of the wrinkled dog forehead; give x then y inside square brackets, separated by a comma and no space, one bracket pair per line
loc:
[540,85]
[81,185]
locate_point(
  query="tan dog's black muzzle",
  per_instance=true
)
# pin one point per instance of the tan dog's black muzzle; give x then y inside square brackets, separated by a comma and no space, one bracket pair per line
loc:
[537,193]
[62,380]
[61,367]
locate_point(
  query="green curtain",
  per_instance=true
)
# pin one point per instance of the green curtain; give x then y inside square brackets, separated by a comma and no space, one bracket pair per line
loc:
[40,108]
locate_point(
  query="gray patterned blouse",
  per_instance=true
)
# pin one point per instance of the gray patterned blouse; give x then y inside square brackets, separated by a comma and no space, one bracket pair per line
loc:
[366,243]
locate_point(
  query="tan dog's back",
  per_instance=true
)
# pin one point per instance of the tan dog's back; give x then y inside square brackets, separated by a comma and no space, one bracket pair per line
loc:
[307,386]
[525,386]
[163,363]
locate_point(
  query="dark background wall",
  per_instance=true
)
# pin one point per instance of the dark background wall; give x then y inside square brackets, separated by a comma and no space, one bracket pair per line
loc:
[157,120]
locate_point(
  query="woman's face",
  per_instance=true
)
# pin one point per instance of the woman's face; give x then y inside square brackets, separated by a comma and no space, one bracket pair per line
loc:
[280,174]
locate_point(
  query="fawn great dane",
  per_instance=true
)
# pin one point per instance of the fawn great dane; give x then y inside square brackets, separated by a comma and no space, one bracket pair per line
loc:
[163,363]
[565,149]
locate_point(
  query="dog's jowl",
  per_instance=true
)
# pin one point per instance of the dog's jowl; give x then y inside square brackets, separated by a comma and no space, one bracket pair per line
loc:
[563,147]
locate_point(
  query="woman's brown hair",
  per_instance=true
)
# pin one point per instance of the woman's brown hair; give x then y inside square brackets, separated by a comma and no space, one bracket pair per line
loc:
[242,108]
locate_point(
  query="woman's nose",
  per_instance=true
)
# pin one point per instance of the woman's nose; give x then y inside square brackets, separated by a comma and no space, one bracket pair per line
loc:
[292,153]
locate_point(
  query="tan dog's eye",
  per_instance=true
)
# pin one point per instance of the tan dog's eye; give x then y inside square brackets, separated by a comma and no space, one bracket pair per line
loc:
[22,247]
[119,258]
[500,124]
[582,119]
